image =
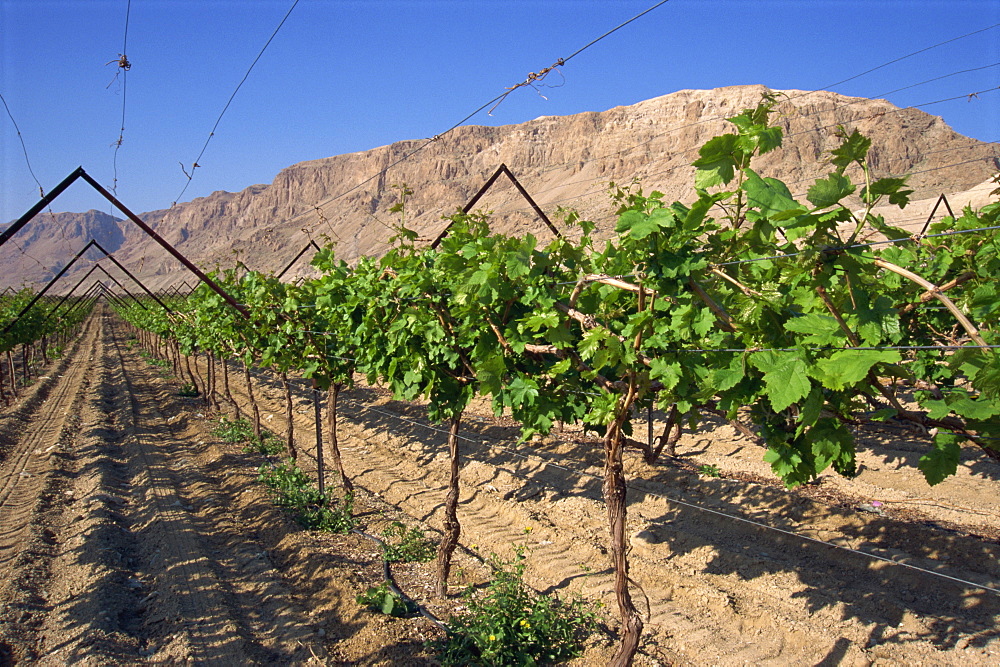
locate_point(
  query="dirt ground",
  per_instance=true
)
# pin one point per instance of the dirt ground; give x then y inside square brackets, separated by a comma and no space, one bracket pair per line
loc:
[130,534]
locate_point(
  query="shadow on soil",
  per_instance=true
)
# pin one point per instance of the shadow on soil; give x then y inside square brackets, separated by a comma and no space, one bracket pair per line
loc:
[871,591]
[102,619]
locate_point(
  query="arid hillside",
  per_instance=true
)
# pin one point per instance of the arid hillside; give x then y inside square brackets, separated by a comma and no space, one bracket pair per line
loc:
[561,161]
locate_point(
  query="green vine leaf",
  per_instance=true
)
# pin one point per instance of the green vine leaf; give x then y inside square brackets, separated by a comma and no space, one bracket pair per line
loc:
[771,197]
[829,191]
[894,187]
[716,166]
[667,371]
[942,460]
[817,329]
[522,391]
[832,444]
[854,149]
[785,377]
[847,367]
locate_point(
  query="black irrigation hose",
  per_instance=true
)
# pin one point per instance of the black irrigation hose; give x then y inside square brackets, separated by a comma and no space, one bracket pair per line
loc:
[391,583]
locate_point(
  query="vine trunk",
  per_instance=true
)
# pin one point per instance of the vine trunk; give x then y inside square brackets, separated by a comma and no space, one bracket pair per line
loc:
[452,528]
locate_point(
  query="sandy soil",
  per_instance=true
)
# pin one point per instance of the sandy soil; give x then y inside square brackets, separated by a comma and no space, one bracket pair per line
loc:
[129,534]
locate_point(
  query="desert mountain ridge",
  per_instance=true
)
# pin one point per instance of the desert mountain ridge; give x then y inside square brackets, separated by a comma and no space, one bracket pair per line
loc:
[561,161]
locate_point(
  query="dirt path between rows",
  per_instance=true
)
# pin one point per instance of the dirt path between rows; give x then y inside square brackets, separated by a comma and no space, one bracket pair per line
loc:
[130,535]
[36,435]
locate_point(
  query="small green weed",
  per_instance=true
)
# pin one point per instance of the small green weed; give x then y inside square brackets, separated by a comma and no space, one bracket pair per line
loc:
[188,390]
[709,470]
[510,624]
[332,515]
[233,430]
[269,445]
[382,599]
[291,488]
[153,361]
[403,545]
[239,431]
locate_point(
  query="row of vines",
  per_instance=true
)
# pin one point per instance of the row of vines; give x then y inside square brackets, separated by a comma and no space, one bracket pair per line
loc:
[746,303]
[33,329]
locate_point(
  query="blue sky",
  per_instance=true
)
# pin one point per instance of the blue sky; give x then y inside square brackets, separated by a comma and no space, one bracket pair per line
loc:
[344,76]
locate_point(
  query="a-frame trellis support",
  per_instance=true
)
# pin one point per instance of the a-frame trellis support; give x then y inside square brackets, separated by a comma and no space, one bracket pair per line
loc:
[941,200]
[70,293]
[80,173]
[311,244]
[98,267]
[111,296]
[175,290]
[95,267]
[91,244]
[131,277]
[502,170]
[86,295]
[45,289]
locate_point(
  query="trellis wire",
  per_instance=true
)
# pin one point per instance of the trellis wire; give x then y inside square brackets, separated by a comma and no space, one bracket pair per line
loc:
[24,148]
[195,165]
[801,115]
[124,67]
[693,506]
[493,101]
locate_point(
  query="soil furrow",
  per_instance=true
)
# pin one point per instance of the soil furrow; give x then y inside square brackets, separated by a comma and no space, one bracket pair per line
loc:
[22,471]
[199,593]
[39,457]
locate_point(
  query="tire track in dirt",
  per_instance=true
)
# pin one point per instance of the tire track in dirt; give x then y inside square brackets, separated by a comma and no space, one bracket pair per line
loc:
[163,549]
[94,616]
[37,435]
[22,473]
[215,597]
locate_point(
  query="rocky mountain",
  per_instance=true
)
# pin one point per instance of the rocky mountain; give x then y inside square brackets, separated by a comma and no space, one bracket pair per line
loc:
[560,161]
[41,249]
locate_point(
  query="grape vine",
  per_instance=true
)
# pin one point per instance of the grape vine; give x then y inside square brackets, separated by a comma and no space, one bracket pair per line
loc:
[34,324]
[776,313]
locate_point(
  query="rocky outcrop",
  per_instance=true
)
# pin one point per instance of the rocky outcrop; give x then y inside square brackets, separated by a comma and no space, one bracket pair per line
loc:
[41,249]
[562,161]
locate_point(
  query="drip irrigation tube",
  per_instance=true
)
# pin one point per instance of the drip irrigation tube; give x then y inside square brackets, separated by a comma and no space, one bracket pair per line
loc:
[391,584]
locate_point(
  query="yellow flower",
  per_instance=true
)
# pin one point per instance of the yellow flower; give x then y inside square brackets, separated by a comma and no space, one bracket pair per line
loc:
[525,624]
[493,638]
[527,529]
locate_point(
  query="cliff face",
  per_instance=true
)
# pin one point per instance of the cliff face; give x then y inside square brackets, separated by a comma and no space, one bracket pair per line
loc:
[42,248]
[561,161]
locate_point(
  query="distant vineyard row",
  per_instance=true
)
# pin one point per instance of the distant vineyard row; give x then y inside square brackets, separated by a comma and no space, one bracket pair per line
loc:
[39,327]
